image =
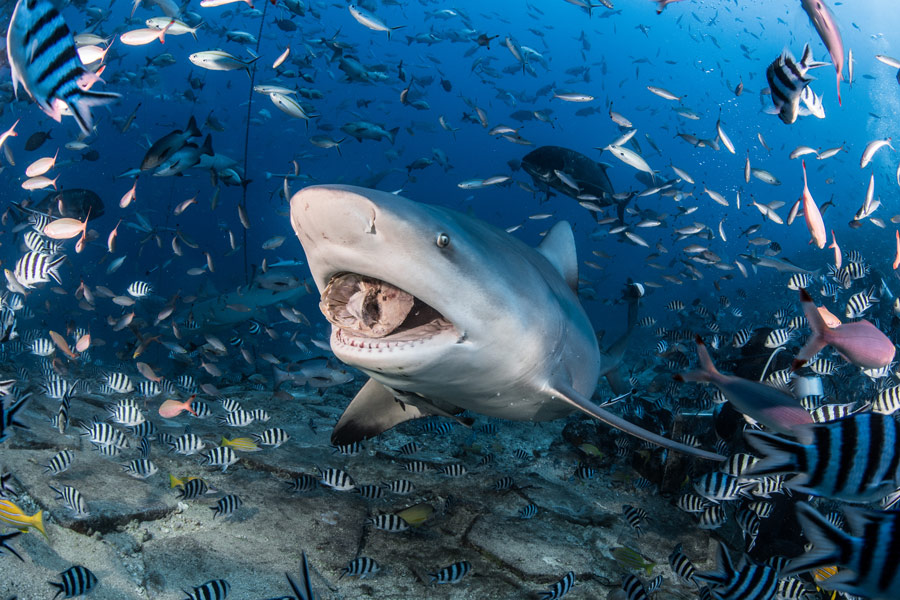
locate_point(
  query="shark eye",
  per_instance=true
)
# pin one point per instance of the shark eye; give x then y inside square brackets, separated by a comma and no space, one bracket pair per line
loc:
[443,240]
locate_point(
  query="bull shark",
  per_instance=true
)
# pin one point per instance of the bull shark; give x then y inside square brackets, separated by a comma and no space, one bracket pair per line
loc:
[446,313]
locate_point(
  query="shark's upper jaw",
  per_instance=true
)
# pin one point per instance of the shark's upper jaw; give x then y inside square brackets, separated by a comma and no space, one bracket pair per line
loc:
[372,316]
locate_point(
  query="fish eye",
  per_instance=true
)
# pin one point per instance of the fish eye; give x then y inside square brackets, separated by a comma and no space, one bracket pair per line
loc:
[443,240]
[31,4]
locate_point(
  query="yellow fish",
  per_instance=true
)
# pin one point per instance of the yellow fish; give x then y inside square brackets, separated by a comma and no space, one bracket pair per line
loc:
[242,444]
[175,482]
[13,515]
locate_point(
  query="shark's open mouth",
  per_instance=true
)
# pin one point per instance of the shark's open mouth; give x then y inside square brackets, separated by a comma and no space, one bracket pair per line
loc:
[370,313]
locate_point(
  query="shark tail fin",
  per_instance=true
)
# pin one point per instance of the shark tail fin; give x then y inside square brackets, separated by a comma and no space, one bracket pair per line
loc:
[568,394]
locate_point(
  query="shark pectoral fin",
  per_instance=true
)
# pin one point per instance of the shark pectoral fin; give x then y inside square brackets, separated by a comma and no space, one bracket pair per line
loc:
[558,246]
[372,411]
[617,381]
[568,394]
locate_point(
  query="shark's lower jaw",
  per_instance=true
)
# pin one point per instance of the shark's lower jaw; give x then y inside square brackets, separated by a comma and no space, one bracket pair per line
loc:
[370,315]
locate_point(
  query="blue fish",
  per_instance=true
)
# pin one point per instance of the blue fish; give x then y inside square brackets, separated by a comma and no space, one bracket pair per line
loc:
[43,59]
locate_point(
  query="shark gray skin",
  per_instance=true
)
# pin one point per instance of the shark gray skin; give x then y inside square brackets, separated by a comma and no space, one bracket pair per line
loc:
[446,313]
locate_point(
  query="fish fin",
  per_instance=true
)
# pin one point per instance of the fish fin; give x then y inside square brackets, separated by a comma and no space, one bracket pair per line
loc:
[707,370]
[724,572]
[830,544]
[81,107]
[569,395]
[558,247]
[393,133]
[373,410]
[304,591]
[817,324]
[779,454]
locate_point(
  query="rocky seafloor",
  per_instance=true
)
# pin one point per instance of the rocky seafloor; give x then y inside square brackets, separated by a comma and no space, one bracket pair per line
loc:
[142,541]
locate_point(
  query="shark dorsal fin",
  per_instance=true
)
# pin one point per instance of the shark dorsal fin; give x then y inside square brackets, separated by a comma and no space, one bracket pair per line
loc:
[558,247]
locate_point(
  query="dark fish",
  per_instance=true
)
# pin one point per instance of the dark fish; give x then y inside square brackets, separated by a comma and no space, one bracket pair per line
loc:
[750,582]
[76,581]
[545,162]
[36,140]
[168,144]
[43,59]
[3,544]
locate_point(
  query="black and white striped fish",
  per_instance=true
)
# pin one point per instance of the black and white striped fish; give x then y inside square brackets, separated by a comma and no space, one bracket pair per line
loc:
[682,565]
[215,589]
[717,486]
[193,489]
[33,267]
[451,573]
[454,470]
[633,588]
[141,468]
[76,581]
[303,482]
[72,498]
[220,456]
[560,588]
[370,492]
[59,462]
[400,486]
[528,511]
[119,382]
[750,582]
[271,437]
[139,289]
[361,567]
[226,505]
[43,59]
[188,444]
[854,459]
[389,522]
[336,479]
[635,517]
[787,79]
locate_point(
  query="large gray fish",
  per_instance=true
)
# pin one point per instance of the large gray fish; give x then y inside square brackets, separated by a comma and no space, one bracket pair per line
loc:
[826,25]
[43,59]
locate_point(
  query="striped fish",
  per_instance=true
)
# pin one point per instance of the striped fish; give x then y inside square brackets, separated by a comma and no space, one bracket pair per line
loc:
[560,588]
[43,59]
[361,567]
[854,459]
[787,79]
[452,573]
[215,589]
[34,267]
[869,553]
[12,515]
[76,581]
[750,582]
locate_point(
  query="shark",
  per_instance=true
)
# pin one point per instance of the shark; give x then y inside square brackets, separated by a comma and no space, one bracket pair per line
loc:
[446,313]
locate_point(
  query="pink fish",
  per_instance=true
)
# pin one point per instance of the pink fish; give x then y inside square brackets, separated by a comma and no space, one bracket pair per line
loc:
[814,221]
[859,342]
[823,20]
[172,408]
[769,406]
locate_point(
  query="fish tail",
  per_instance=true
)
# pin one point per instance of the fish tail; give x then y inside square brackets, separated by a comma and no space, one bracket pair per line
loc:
[817,324]
[724,572]
[779,454]
[81,105]
[37,521]
[707,371]
[840,78]
[830,545]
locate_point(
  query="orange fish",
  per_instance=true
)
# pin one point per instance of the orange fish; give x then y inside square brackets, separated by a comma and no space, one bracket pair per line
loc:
[814,221]
[837,251]
[897,258]
[172,408]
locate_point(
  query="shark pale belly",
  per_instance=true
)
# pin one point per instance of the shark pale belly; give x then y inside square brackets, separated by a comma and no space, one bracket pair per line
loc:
[446,313]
